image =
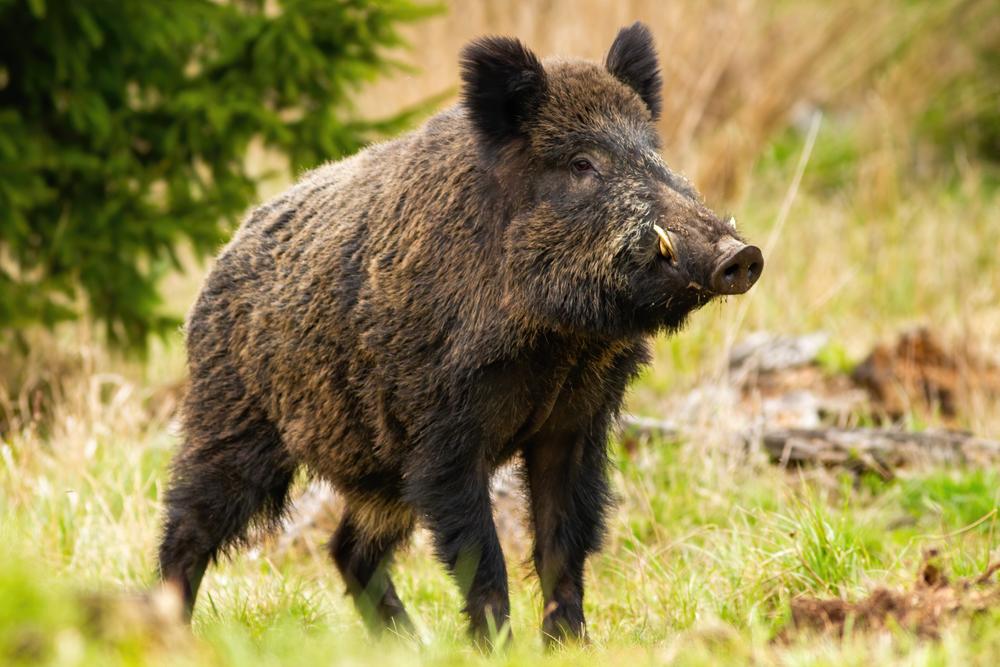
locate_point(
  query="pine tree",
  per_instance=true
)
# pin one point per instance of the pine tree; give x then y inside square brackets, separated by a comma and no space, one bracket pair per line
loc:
[124,126]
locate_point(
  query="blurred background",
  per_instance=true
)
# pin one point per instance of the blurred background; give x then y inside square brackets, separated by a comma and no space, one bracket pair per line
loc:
[857,142]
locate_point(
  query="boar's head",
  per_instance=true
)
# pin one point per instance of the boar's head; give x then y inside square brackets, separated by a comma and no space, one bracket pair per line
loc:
[601,235]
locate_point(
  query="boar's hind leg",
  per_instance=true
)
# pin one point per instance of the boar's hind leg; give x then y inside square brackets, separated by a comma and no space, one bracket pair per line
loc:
[362,549]
[451,493]
[567,479]
[220,485]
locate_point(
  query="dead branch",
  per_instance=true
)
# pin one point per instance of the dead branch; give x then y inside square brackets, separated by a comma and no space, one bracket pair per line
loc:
[860,449]
[645,427]
[877,450]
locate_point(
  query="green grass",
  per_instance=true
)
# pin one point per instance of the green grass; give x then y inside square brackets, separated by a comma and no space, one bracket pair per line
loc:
[704,553]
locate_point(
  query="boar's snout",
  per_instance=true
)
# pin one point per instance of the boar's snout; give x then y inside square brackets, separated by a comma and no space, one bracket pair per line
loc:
[737,270]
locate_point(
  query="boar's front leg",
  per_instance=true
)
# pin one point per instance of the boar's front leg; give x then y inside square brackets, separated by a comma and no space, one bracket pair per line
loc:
[449,487]
[567,479]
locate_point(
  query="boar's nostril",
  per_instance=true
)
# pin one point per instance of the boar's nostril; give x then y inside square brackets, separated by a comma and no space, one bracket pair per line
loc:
[737,271]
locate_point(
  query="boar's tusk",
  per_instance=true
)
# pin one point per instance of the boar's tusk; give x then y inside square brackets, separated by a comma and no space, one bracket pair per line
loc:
[732,223]
[667,248]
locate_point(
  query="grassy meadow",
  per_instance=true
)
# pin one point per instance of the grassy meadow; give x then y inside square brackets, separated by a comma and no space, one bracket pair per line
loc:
[813,125]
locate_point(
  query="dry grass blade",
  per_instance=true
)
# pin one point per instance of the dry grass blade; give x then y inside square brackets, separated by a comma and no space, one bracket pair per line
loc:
[774,235]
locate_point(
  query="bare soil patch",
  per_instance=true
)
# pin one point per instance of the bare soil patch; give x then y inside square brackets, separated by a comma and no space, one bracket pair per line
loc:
[924,609]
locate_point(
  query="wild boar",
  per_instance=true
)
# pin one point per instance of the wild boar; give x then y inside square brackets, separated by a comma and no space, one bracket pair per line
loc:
[403,322]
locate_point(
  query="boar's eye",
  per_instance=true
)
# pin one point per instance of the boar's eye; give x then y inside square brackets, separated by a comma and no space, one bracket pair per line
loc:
[581,165]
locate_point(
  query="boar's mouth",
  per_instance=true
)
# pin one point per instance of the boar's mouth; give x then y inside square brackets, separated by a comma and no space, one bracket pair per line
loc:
[735,272]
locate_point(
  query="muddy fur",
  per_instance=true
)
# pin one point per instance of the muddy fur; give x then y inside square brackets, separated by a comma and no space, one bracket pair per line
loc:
[402,322]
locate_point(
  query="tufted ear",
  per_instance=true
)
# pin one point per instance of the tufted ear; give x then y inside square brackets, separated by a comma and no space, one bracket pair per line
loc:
[632,60]
[504,85]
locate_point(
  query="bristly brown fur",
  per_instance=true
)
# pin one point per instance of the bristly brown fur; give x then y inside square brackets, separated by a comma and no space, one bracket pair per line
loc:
[404,321]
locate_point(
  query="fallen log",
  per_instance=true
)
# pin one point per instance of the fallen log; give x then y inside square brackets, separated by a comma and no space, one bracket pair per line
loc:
[859,449]
[877,450]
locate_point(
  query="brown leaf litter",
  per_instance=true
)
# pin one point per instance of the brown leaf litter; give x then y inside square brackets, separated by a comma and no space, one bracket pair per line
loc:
[919,372]
[924,609]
